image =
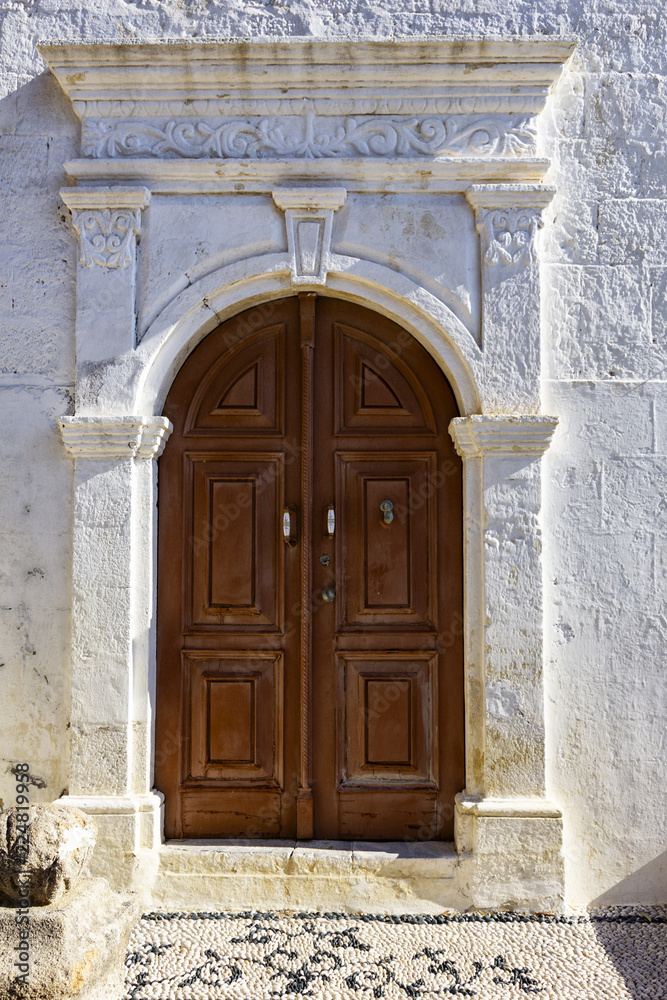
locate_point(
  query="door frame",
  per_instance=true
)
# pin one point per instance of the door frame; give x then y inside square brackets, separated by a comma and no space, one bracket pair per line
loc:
[498,452]
[508,832]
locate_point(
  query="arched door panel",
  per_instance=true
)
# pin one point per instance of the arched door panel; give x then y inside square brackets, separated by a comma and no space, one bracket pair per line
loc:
[310,660]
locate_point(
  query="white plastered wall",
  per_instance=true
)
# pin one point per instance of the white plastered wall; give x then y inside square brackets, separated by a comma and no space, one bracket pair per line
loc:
[603,354]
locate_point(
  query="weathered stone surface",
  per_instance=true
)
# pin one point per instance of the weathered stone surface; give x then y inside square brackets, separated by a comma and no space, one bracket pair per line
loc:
[47,861]
[602,521]
[75,947]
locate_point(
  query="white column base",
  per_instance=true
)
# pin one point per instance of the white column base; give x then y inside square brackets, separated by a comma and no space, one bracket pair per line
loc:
[128,838]
[513,848]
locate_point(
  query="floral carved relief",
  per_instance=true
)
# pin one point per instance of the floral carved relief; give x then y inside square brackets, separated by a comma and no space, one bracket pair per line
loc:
[310,136]
[509,235]
[106,235]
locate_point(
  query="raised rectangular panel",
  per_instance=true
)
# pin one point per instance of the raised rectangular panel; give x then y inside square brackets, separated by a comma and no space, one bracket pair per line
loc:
[387,704]
[235,717]
[234,559]
[389,723]
[387,555]
[388,568]
[231,556]
[231,724]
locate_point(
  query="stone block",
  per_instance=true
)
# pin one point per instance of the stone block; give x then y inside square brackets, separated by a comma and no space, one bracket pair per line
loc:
[47,861]
[75,947]
[599,321]
[632,230]
[635,491]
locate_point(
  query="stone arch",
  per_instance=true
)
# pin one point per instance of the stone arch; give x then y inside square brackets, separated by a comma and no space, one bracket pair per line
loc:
[231,289]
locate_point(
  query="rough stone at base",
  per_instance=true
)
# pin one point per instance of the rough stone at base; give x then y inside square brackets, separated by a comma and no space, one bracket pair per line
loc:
[76,946]
[58,846]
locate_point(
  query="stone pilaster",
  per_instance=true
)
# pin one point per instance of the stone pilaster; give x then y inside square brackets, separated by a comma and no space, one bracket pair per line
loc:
[113,586]
[107,221]
[504,817]
[509,217]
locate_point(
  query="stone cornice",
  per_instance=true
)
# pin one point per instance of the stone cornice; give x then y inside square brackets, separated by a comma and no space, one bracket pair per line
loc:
[122,437]
[302,99]
[347,77]
[480,435]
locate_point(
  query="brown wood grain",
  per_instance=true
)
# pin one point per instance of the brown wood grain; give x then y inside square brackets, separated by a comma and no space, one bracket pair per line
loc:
[280,714]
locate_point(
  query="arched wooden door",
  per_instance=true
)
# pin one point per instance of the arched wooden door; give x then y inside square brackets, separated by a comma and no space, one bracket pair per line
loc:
[310,676]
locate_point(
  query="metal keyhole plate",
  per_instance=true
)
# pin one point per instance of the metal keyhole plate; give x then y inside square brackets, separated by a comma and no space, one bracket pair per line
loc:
[387,509]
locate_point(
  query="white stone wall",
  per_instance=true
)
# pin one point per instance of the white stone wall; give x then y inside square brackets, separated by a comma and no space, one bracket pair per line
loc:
[604,282]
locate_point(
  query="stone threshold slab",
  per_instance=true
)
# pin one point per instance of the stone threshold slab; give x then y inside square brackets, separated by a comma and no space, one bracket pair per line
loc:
[348,876]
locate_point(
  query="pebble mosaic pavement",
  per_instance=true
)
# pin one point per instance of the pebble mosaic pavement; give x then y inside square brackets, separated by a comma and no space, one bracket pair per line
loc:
[609,955]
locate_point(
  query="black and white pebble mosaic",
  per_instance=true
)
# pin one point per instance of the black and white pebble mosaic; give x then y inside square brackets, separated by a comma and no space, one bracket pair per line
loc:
[610,955]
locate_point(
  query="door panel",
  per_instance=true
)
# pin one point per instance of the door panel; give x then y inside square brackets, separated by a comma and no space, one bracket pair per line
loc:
[309,673]
[235,716]
[245,390]
[375,390]
[387,704]
[396,569]
[236,554]
[387,558]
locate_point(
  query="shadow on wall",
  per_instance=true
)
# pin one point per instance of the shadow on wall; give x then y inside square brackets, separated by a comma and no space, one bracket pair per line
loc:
[647,884]
[634,939]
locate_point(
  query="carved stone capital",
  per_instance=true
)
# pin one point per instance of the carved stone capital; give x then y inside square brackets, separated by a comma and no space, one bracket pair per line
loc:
[309,219]
[107,221]
[123,437]
[481,435]
[508,218]
[508,235]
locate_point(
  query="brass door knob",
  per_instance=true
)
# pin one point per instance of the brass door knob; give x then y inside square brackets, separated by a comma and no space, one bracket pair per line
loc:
[328,594]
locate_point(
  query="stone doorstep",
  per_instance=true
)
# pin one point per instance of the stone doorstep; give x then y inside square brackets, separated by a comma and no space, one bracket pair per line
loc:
[318,875]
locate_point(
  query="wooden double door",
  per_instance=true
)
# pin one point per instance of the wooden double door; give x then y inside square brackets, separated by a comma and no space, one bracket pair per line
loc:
[310,679]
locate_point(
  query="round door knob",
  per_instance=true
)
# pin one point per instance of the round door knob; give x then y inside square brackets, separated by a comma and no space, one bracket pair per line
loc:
[328,595]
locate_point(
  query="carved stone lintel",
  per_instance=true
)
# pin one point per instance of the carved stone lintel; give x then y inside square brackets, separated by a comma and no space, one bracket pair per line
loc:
[480,434]
[309,136]
[107,221]
[124,437]
[508,219]
[309,219]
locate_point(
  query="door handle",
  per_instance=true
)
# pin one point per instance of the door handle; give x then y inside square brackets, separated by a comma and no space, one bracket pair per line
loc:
[289,526]
[328,594]
[387,509]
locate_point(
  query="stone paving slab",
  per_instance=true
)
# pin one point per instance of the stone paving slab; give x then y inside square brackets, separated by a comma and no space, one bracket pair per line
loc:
[609,955]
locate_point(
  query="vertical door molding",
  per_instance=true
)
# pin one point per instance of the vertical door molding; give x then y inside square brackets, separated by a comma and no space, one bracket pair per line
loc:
[504,816]
[112,614]
[304,803]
